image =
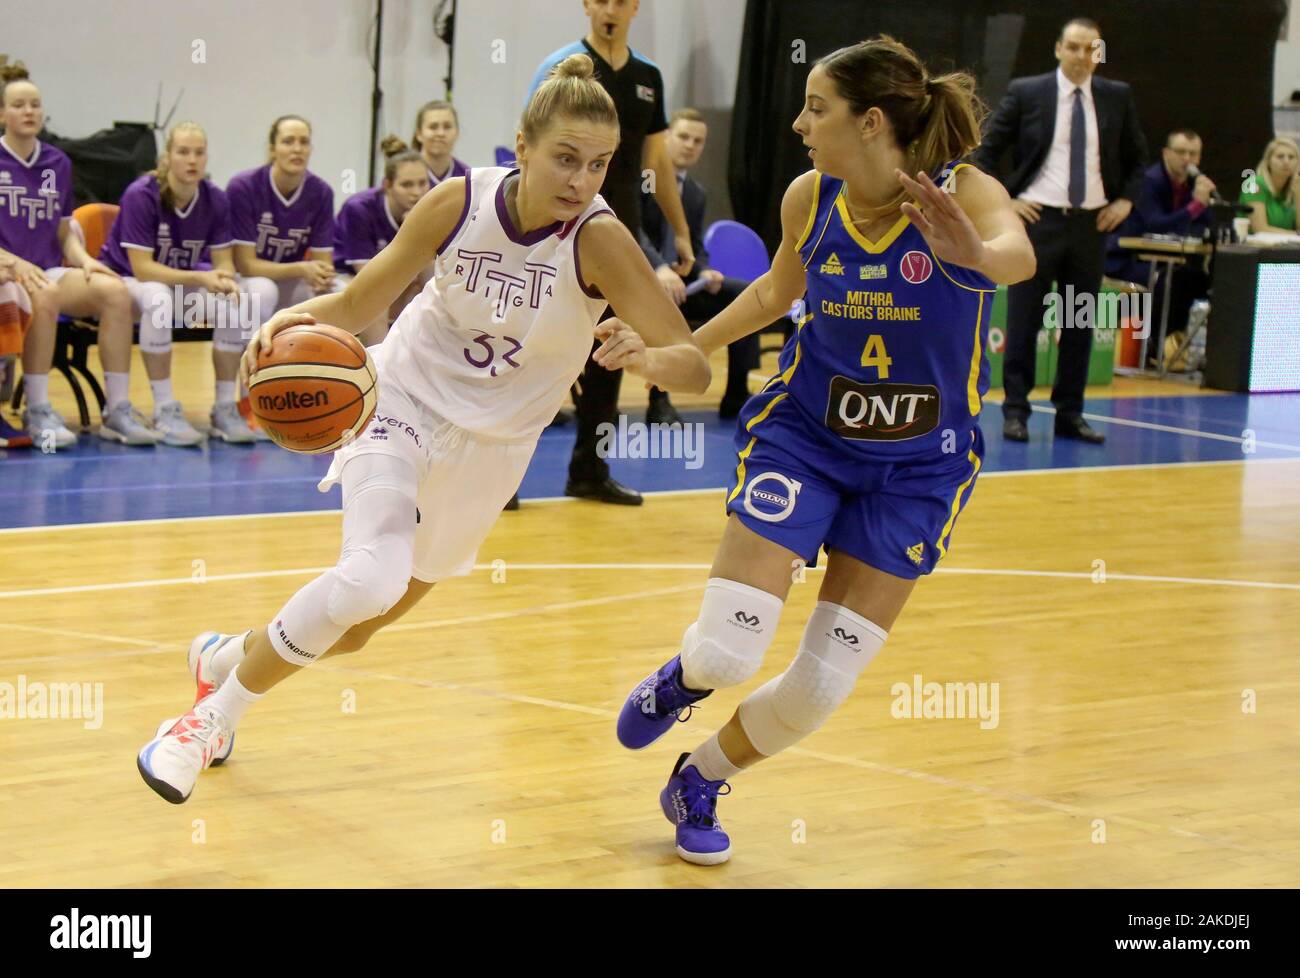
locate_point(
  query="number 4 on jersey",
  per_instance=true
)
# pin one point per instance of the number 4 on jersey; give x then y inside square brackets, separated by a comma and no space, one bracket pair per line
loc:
[874,355]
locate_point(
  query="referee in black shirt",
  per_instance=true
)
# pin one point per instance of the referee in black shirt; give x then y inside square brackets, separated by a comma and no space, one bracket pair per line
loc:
[637,89]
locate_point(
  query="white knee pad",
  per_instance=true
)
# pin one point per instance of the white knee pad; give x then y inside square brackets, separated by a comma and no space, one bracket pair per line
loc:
[369,580]
[157,314]
[725,646]
[837,645]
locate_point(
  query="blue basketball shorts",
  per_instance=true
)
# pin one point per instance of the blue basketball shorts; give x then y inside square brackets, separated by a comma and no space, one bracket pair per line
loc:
[800,489]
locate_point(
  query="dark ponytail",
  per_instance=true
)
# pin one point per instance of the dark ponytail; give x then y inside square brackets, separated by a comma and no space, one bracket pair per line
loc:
[934,119]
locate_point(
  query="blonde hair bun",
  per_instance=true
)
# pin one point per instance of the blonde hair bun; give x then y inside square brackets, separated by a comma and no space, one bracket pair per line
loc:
[574,66]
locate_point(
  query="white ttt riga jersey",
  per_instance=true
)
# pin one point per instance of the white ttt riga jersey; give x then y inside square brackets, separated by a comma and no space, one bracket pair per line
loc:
[504,326]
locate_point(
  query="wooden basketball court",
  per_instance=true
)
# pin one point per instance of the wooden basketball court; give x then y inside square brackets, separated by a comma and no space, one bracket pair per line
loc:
[1139,624]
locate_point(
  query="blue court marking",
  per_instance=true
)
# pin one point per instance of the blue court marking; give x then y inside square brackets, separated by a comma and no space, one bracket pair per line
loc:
[96,481]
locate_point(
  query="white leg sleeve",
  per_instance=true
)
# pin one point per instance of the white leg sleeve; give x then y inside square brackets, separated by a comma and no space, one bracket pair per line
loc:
[374,568]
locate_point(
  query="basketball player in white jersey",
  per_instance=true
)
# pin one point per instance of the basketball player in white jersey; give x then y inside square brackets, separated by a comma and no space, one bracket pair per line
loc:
[471,372]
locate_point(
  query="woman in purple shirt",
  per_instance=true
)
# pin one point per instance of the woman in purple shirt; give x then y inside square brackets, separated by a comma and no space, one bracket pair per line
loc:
[282,217]
[35,226]
[369,220]
[437,128]
[171,242]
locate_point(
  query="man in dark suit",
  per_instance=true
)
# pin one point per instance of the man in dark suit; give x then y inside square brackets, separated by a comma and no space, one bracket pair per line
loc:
[1170,202]
[1077,152]
[687,134]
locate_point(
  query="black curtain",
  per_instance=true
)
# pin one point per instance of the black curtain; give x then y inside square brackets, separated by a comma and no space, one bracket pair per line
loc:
[1204,64]
[105,163]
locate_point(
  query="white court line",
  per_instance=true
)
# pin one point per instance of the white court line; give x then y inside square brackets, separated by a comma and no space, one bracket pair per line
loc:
[1016,797]
[95,636]
[712,490]
[509,566]
[154,648]
[333,666]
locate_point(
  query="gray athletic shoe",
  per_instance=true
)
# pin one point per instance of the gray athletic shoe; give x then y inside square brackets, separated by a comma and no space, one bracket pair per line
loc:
[126,425]
[43,423]
[172,428]
[229,426]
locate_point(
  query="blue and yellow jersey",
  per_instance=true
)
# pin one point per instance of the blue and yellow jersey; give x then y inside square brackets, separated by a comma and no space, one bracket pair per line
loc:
[889,353]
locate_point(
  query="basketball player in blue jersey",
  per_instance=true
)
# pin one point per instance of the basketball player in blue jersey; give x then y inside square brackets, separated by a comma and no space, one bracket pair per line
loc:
[867,442]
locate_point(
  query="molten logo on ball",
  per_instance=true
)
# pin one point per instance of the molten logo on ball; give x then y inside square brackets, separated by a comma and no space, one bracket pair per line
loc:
[292,400]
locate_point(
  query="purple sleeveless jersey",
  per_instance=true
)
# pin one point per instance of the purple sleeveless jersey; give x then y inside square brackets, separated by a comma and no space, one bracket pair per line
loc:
[179,239]
[365,226]
[35,194]
[280,229]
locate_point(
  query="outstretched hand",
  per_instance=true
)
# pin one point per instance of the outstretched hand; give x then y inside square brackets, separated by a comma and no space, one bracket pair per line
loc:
[947,230]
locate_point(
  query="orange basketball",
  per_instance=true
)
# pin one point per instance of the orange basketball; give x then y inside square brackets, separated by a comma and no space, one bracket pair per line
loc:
[314,389]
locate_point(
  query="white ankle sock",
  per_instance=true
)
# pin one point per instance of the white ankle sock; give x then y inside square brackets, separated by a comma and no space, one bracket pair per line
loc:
[232,699]
[225,392]
[162,391]
[227,657]
[37,389]
[711,761]
[117,388]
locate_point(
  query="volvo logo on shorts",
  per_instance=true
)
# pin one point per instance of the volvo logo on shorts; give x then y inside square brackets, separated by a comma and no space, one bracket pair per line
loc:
[881,412]
[848,638]
[916,267]
[770,496]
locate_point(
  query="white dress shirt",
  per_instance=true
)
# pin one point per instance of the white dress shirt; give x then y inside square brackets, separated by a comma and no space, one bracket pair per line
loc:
[1051,186]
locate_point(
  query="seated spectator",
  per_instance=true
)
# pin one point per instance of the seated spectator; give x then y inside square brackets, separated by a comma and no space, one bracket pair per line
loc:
[282,217]
[687,134]
[1167,203]
[15,319]
[1277,187]
[49,262]
[369,220]
[171,242]
[437,128]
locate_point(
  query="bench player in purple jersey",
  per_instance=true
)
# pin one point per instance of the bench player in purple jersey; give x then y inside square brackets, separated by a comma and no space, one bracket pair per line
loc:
[369,220]
[282,217]
[526,260]
[171,242]
[437,127]
[36,231]
[867,442]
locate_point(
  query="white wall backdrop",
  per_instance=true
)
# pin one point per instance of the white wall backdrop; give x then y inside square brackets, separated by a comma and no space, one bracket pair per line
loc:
[244,62]
[241,63]
[696,46]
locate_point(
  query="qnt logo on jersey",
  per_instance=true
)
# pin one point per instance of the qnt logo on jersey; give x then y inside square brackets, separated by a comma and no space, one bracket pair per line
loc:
[832,266]
[916,267]
[881,412]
